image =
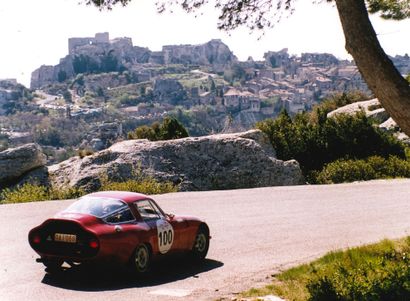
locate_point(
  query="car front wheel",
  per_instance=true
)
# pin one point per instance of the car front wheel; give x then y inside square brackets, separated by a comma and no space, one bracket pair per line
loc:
[201,244]
[142,259]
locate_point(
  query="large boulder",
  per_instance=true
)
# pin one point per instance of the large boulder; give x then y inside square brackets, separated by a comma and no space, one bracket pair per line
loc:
[17,163]
[224,161]
[389,125]
[372,108]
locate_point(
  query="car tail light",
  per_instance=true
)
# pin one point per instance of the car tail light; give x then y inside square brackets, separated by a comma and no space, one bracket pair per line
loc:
[93,244]
[36,239]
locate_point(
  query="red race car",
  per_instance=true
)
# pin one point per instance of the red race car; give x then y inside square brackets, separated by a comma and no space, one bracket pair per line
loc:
[117,227]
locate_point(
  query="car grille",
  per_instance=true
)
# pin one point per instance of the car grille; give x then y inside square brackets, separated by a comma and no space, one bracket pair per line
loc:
[57,238]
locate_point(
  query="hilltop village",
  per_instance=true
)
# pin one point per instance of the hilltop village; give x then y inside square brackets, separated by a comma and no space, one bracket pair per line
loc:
[109,86]
[207,74]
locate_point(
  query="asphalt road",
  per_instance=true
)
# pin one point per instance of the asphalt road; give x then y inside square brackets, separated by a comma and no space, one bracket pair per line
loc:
[255,232]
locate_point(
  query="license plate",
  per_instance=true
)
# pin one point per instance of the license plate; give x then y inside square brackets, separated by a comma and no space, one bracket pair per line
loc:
[70,238]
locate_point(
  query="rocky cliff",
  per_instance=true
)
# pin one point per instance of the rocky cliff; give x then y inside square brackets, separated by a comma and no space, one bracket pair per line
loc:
[16,164]
[90,54]
[225,161]
[214,52]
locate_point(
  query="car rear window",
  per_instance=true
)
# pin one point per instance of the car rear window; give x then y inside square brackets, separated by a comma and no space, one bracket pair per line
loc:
[99,207]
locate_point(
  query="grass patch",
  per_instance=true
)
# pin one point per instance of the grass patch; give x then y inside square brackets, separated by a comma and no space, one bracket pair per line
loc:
[377,272]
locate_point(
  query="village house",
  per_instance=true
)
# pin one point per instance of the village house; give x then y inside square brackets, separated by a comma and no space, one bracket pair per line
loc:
[207,98]
[324,83]
[255,105]
[242,100]
[294,107]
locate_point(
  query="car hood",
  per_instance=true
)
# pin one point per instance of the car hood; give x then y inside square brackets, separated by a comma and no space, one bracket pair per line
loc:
[187,218]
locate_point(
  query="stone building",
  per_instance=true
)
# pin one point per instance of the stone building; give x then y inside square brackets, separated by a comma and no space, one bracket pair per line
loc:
[99,38]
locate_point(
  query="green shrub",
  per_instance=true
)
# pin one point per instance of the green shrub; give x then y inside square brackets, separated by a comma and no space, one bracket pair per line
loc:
[169,129]
[315,140]
[377,272]
[374,167]
[138,183]
[151,133]
[407,152]
[65,193]
[385,277]
[146,186]
[34,193]
[23,194]
[84,152]
[338,100]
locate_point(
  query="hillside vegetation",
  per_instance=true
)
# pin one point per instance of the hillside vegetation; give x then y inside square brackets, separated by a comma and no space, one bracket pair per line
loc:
[377,272]
[332,150]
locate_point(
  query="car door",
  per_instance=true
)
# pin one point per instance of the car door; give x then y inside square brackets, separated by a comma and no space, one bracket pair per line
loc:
[167,232]
[119,233]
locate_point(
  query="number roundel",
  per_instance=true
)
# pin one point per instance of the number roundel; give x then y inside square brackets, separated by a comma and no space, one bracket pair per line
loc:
[165,236]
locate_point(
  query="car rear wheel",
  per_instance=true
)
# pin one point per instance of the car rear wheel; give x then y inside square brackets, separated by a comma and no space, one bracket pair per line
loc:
[53,265]
[201,244]
[142,259]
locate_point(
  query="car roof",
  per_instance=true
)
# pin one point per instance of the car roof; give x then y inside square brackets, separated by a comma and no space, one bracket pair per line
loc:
[125,196]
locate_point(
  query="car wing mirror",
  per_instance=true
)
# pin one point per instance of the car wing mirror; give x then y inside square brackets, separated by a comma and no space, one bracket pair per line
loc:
[170,216]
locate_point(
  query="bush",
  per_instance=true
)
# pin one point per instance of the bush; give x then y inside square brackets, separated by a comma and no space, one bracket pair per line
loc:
[338,100]
[315,140]
[374,167]
[384,277]
[138,183]
[146,186]
[34,193]
[85,152]
[170,128]
[151,133]
[377,272]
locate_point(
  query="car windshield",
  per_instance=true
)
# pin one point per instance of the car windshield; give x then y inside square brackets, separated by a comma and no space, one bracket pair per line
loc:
[97,206]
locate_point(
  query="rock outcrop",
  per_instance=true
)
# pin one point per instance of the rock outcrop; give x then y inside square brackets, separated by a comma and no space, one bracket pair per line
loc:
[214,52]
[368,106]
[102,136]
[224,161]
[17,163]
[97,83]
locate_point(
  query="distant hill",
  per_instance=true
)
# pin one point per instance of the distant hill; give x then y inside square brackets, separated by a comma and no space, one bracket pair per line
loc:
[105,87]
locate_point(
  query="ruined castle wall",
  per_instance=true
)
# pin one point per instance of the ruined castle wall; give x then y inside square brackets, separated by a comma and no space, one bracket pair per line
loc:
[76,42]
[102,37]
[99,38]
[42,76]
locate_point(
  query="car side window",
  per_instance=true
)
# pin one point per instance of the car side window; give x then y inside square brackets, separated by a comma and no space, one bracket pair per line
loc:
[122,216]
[148,210]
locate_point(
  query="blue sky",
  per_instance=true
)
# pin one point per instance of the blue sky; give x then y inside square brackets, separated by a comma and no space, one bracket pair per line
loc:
[36,32]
